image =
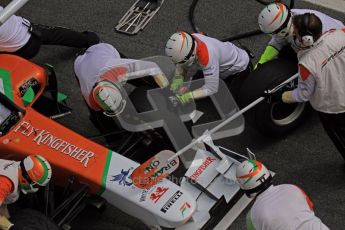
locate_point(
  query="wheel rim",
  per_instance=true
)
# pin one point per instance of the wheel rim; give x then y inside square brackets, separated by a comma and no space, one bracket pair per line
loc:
[285,114]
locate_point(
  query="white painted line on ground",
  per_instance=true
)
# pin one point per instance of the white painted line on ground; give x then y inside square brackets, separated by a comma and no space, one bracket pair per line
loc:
[337,5]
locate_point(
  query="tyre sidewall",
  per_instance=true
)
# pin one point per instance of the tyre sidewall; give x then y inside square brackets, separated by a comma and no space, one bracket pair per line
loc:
[267,76]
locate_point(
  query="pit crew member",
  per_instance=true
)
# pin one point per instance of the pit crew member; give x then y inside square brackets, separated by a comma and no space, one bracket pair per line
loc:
[280,207]
[21,37]
[215,58]
[26,176]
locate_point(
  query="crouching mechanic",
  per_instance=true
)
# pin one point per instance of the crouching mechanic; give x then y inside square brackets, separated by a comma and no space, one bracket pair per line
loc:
[276,20]
[215,58]
[26,176]
[102,75]
[20,37]
[321,76]
[278,207]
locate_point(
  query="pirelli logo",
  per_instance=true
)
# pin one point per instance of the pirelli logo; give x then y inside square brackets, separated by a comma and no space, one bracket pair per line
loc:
[171,201]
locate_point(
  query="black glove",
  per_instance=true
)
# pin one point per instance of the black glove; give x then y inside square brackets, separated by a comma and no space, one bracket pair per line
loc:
[273,97]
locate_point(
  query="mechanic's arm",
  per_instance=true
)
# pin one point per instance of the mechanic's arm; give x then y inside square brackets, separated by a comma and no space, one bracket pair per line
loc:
[178,79]
[211,76]
[147,68]
[272,49]
[304,90]
[161,80]
[6,188]
[249,222]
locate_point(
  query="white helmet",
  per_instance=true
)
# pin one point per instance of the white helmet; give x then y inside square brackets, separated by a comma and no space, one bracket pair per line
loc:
[35,170]
[275,18]
[108,96]
[253,177]
[181,48]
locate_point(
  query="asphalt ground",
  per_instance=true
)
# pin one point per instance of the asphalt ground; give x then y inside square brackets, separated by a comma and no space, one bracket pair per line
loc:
[306,157]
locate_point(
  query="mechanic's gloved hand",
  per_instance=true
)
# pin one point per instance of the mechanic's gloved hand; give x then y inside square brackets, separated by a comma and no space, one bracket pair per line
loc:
[257,65]
[269,54]
[181,99]
[185,98]
[176,83]
[273,97]
[5,224]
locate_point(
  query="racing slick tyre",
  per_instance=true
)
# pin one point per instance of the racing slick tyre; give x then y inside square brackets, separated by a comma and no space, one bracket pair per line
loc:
[272,119]
[29,219]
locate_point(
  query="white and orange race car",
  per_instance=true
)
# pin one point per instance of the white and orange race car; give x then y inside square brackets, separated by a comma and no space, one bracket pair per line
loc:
[105,173]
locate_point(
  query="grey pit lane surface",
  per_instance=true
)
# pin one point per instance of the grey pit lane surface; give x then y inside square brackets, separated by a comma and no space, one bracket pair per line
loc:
[306,157]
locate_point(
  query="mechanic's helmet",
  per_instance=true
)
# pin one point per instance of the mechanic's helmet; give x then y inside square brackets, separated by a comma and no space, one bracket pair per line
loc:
[35,171]
[108,96]
[181,48]
[253,177]
[275,18]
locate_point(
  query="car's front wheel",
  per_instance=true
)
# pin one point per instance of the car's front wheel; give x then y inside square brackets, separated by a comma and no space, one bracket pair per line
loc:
[272,119]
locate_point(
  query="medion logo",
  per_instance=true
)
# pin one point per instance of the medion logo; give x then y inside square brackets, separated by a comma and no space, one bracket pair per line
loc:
[46,138]
[171,201]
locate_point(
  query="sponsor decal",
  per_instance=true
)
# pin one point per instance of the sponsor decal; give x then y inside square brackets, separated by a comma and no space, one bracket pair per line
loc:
[33,83]
[122,178]
[171,201]
[154,165]
[143,195]
[145,192]
[6,166]
[158,193]
[333,56]
[184,208]
[44,137]
[202,167]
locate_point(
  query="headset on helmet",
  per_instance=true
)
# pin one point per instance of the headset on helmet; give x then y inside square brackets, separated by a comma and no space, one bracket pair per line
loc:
[181,48]
[253,177]
[109,97]
[275,18]
[306,35]
[35,170]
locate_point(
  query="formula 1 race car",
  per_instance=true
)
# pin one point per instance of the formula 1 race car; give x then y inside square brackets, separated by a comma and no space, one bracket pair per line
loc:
[208,183]
[94,174]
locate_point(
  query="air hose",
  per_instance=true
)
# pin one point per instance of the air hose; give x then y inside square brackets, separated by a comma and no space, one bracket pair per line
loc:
[237,36]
